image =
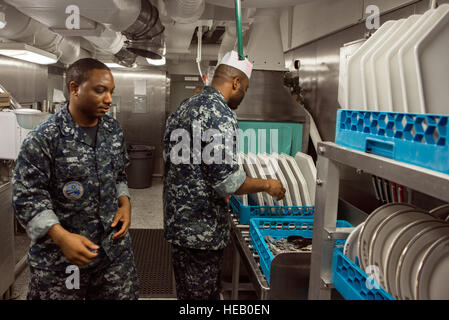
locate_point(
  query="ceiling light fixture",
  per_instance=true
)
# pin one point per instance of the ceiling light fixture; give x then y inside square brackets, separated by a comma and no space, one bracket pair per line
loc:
[114,65]
[2,20]
[156,62]
[28,53]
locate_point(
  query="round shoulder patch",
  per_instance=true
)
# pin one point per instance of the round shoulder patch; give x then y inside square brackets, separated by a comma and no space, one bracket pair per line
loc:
[73,190]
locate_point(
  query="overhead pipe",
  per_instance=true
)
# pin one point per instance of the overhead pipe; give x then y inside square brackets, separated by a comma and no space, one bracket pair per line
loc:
[25,29]
[238,23]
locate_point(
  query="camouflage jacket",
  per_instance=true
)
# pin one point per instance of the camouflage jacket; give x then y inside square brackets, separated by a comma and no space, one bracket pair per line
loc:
[60,177]
[195,187]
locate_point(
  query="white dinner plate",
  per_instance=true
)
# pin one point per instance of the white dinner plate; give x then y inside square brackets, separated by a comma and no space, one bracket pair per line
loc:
[350,249]
[370,226]
[291,181]
[411,258]
[274,161]
[269,173]
[257,197]
[398,245]
[441,212]
[308,170]
[303,188]
[261,175]
[385,234]
[433,273]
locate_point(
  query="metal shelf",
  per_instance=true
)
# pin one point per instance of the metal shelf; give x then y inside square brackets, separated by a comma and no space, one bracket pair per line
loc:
[331,158]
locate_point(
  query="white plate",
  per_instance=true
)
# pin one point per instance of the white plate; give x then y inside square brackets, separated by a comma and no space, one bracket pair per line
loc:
[385,234]
[393,65]
[369,87]
[261,175]
[433,273]
[350,249]
[441,212]
[308,170]
[269,173]
[303,188]
[257,197]
[379,63]
[244,197]
[411,257]
[409,72]
[291,181]
[370,226]
[354,80]
[274,160]
[397,246]
[433,68]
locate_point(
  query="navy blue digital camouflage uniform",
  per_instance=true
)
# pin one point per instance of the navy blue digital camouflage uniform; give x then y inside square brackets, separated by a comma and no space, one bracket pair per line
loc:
[62,177]
[195,210]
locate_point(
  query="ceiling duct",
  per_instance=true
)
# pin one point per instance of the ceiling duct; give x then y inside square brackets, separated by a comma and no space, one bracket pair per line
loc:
[146,34]
[125,58]
[27,30]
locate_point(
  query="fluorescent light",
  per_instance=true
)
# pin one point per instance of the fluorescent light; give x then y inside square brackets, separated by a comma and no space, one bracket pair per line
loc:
[2,20]
[114,65]
[156,62]
[28,53]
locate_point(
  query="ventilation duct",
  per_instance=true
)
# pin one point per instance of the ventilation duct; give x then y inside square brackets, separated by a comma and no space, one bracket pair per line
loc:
[146,34]
[27,30]
[185,11]
[125,58]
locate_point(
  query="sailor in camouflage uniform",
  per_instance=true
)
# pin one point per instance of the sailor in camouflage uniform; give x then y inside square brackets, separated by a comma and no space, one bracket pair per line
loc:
[195,186]
[70,193]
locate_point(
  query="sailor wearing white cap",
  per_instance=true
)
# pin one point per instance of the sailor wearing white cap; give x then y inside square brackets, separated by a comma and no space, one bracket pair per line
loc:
[195,211]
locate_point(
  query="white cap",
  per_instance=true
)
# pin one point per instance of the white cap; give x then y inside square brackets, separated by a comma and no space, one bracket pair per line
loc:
[232,59]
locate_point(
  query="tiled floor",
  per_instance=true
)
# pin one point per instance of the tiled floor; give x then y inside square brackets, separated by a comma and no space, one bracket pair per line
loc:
[146,214]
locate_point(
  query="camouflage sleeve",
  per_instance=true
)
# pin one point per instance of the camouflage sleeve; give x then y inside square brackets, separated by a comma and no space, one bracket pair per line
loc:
[219,156]
[31,198]
[122,181]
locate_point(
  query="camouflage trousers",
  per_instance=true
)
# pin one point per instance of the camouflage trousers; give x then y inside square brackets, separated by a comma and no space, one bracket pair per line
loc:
[106,281]
[197,273]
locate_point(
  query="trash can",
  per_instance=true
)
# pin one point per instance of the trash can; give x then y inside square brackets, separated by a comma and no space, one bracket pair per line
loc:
[140,170]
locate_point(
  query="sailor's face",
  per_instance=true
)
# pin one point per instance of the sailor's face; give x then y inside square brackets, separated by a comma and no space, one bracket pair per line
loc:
[95,94]
[238,94]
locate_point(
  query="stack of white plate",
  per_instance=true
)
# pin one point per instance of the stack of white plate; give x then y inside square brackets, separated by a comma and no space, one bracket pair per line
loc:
[297,175]
[405,249]
[403,67]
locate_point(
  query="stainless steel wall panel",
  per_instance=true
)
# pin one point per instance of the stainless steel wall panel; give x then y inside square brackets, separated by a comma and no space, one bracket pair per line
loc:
[148,127]
[26,81]
[6,239]
[268,100]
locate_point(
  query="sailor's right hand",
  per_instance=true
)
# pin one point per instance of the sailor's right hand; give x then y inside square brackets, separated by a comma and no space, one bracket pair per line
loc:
[74,246]
[275,189]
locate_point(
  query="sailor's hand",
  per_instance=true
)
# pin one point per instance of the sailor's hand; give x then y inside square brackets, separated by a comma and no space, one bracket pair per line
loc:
[76,248]
[275,189]
[122,218]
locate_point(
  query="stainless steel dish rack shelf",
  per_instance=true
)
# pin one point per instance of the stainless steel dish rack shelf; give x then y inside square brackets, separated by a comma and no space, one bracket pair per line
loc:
[331,157]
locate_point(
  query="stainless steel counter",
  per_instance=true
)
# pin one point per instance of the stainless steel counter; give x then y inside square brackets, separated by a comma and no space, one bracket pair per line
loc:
[289,271]
[6,239]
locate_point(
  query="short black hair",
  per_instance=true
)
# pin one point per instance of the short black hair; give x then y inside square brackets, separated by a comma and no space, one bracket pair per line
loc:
[79,70]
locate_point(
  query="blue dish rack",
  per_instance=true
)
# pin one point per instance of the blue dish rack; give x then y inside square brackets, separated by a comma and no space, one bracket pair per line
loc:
[418,139]
[353,283]
[246,213]
[278,229]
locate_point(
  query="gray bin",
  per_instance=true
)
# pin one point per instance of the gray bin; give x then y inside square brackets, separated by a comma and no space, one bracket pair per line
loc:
[140,170]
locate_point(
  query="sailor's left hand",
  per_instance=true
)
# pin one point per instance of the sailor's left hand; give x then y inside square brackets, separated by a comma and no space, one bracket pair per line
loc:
[123,218]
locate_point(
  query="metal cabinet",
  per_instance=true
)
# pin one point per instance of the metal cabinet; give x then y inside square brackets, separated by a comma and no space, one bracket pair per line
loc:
[6,239]
[331,158]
